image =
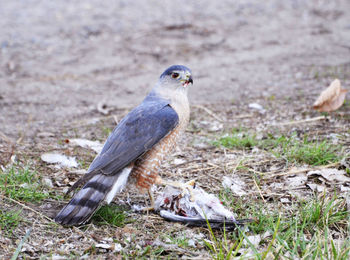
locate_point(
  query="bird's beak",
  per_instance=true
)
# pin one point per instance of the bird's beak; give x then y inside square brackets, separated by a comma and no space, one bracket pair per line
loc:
[187,81]
[190,80]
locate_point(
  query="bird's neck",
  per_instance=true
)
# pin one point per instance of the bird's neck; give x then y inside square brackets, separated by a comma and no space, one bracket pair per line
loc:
[178,101]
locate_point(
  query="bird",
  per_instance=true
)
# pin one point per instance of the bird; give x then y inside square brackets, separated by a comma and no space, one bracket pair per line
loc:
[133,152]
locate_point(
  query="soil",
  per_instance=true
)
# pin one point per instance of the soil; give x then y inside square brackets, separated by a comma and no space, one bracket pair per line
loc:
[61,60]
[58,60]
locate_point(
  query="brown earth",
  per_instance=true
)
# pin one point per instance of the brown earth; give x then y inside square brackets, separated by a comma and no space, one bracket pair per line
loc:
[58,60]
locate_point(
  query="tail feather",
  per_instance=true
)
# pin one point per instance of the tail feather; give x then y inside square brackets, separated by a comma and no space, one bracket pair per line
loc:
[85,202]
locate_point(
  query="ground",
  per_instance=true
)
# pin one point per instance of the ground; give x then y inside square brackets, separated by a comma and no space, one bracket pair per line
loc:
[61,61]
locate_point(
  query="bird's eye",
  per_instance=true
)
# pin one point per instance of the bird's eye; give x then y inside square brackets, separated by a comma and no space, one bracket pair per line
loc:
[175,75]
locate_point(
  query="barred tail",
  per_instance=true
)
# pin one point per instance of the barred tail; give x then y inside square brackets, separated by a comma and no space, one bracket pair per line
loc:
[83,205]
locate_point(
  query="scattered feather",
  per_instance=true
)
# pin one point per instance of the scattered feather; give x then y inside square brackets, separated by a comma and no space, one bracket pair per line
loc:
[93,145]
[257,107]
[331,98]
[104,246]
[60,159]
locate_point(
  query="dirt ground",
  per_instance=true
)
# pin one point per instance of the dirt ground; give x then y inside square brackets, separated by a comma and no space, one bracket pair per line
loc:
[60,60]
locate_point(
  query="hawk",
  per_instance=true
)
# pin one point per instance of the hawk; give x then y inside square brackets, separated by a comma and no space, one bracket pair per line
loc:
[135,148]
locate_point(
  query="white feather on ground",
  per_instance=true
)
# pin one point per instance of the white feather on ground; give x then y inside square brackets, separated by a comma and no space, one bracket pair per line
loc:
[59,159]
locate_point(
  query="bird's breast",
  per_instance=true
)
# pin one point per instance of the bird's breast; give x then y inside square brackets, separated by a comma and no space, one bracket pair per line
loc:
[145,171]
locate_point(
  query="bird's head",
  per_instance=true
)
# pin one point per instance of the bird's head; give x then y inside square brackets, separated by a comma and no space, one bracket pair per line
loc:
[176,77]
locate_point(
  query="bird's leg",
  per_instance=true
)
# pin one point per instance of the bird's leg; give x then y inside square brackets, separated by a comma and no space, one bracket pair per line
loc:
[188,186]
[151,198]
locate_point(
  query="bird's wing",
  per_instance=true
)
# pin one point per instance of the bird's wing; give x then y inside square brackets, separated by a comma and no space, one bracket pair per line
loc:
[137,133]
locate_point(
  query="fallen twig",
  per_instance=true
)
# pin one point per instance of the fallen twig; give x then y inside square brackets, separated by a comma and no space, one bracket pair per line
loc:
[211,113]
[259,190]
[26,207]
[301,121]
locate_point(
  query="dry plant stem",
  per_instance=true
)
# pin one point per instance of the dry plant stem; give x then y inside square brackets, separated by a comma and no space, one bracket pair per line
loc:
[302,121]
[211,113]
[242,116]
[235,167]
[26,207]
[259,190]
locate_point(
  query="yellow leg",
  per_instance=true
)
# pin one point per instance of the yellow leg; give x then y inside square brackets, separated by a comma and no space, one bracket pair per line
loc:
[151,198]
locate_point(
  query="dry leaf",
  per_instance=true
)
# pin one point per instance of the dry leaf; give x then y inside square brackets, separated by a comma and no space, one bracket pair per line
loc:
[331,175]
[316,187]
[236,185]
[331,98]
[296,181]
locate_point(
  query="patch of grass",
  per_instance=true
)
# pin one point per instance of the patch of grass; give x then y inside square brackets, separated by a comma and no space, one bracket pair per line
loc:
[238,140]
[9,220]
[304,151]
[106,131]
[22,184]
[291,148]
[180,241]
[315,228]
[110,215]
[222,249]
